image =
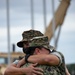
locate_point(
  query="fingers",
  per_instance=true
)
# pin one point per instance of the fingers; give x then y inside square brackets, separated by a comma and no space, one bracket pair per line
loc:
[37,72]
[34,65]
[38,69]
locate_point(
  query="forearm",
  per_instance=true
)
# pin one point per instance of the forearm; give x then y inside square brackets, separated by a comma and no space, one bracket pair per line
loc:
[14,71]
[37,59]
[44,59]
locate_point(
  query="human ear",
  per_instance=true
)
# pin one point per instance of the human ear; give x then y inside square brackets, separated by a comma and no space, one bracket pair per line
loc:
[37,50]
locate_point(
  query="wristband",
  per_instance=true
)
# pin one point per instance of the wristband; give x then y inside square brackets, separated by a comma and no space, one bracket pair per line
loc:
[26,57]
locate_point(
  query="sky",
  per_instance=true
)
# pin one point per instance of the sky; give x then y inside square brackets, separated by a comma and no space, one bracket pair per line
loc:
[20,20]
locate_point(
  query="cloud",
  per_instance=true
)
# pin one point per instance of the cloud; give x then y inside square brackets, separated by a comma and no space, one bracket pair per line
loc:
[69,22]
[72,5]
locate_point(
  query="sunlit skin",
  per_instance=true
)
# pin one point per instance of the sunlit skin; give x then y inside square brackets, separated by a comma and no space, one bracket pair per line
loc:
[41,51]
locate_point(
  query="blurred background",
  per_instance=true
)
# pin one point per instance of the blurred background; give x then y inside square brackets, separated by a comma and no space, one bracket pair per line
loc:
[54,18]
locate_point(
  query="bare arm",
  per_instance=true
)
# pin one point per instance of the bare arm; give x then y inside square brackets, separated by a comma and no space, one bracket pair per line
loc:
[48,59]
[44,59]
[30,70]
[12,69]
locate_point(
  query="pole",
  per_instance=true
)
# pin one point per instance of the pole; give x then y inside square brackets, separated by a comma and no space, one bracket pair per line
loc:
[32,16]
[53,22]
[8,32]
[44,10]
[57,38]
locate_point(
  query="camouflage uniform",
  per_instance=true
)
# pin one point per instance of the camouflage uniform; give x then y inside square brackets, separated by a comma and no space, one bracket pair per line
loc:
[52,70]
[48,70]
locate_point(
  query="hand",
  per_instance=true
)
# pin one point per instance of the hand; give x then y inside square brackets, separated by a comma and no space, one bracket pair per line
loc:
[33,70]
[21,62]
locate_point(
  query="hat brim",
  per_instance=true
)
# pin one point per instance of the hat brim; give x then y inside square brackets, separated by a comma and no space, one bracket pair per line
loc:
[20,43]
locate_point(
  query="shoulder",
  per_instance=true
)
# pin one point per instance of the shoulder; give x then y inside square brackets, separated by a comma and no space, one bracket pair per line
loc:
[59,55]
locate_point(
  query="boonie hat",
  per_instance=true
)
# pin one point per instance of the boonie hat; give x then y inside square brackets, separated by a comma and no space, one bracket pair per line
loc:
[27,35]
[39,41]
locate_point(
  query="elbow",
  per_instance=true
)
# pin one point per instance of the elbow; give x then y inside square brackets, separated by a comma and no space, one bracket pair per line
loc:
[47,61]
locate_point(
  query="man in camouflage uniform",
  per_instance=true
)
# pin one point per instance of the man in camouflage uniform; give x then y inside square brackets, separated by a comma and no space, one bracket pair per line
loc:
[27,35]
[42,42]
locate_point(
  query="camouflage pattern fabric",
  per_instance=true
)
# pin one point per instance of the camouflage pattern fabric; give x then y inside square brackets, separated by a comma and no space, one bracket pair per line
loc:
[27,35]
[48,70]
[31,33]
[39,41]
[52,70]
[61,66]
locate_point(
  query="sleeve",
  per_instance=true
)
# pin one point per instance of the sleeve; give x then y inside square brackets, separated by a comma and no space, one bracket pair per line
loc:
[16,62]
[58,55]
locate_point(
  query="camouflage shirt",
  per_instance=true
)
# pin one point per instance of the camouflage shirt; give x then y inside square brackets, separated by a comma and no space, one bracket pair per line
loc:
[53,70]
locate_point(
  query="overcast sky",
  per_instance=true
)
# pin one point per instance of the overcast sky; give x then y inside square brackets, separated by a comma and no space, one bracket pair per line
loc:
[20,20]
